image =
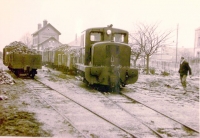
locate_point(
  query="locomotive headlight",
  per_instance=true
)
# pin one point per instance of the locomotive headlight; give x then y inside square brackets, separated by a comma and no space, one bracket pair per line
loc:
[109,32]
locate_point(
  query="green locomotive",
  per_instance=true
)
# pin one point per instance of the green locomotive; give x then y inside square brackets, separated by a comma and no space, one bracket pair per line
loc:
[104,58]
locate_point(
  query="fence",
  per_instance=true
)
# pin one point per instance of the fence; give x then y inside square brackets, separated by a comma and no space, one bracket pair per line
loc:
[173,67]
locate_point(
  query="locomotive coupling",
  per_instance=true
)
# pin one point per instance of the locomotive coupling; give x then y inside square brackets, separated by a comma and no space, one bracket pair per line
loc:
[114,80]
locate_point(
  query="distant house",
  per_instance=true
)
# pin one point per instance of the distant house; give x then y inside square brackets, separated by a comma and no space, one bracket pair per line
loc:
[46,36]
[163,54]
[76,41]
[169,54]
[197,43]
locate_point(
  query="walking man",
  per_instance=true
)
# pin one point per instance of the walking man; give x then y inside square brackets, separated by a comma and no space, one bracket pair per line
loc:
[183,70]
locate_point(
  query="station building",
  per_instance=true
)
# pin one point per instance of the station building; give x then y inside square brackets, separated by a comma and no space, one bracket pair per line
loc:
[47,36]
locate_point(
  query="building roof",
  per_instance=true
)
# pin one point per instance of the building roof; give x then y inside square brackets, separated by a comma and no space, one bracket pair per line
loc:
[50,38]
[75,42]
[46,27]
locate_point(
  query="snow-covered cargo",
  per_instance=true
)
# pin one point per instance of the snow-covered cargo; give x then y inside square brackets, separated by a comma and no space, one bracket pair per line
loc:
[20,59]
[18,48]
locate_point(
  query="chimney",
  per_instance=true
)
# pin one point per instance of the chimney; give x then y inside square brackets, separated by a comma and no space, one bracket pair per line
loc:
[44,23]
[39,26]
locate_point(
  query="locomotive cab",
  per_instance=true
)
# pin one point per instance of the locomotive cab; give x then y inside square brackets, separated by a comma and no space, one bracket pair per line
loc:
[95,35]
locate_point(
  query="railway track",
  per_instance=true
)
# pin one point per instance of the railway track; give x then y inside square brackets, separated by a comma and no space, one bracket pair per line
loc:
[174,104]
[47,93]
[191,129]
[86,129]
[160,123]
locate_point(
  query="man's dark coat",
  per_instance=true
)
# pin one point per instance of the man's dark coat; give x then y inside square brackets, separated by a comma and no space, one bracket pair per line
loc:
[184,68]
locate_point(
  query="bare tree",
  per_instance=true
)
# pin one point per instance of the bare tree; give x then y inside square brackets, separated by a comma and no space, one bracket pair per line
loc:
[136,50]
[149,40]
[27,39]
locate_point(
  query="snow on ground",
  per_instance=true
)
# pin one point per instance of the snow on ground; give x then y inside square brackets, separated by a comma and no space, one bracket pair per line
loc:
[166,94]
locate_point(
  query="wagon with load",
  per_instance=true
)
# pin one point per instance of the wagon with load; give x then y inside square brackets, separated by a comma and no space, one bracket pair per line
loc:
[22,60]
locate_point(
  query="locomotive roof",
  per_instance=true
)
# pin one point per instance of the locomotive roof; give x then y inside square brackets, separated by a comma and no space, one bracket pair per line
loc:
[111,42]
[102,28]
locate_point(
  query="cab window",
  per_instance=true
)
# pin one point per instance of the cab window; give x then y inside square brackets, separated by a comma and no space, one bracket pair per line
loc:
[95,36]
[119,37]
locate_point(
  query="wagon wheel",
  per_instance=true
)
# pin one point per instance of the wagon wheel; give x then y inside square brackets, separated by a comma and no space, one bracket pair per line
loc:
[17,72]
[32,74]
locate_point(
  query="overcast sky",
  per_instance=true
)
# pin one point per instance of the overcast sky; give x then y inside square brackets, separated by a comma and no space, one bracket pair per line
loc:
[18,17]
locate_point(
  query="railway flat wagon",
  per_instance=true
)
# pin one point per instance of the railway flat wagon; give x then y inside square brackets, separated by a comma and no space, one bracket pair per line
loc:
[45,56]
[57,57]
[72,58]
[25,63]
[61,58]
[22,60]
